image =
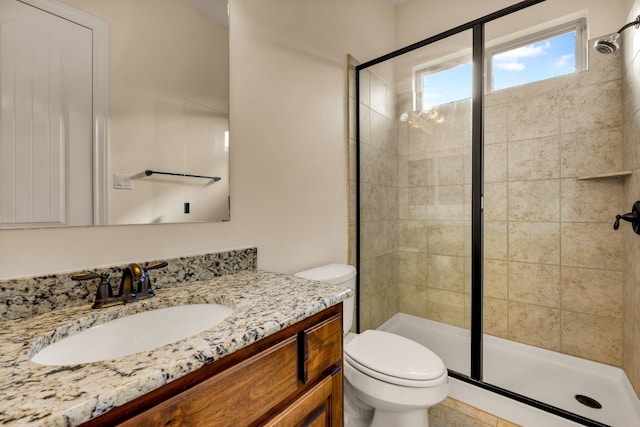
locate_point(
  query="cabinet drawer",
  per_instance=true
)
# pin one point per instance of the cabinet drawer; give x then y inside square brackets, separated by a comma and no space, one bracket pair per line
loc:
[315,408]
[238,396]
[320,348]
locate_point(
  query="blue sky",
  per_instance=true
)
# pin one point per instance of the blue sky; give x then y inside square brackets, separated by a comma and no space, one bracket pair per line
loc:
[538,61]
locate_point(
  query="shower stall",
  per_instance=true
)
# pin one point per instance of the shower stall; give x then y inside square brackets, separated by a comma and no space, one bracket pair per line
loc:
[484,211]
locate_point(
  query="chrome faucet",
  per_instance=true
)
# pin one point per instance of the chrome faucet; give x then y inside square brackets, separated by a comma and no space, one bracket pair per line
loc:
[135,284]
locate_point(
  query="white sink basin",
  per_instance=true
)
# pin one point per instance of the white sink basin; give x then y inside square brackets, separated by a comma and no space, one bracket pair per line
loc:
[133,334]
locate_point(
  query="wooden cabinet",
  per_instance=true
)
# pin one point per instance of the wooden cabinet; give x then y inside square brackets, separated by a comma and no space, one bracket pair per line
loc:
[293,378]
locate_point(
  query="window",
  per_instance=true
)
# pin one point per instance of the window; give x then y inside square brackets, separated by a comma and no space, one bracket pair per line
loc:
[551,53]
[447,82]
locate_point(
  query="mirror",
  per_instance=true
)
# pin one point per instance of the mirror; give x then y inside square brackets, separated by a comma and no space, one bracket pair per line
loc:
[157,103]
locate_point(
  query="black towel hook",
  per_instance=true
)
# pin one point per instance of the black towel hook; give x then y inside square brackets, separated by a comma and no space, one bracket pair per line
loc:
[633,217]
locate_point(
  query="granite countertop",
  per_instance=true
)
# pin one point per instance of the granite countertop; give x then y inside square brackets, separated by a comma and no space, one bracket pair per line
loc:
[33,394]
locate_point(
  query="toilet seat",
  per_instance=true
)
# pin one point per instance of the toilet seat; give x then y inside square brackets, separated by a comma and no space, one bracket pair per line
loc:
[394,359]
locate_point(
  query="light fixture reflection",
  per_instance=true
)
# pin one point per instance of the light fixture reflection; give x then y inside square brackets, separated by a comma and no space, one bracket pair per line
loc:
[422,120]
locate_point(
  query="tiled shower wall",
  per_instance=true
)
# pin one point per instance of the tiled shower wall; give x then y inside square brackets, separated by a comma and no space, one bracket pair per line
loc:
[435,185]
[379,206]
[631,340]
[553,264]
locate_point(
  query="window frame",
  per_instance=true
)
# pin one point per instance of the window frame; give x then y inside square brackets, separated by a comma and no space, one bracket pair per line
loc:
[578,25]
[424,70]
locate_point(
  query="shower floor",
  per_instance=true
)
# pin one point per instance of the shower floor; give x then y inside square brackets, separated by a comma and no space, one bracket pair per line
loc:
[544,375]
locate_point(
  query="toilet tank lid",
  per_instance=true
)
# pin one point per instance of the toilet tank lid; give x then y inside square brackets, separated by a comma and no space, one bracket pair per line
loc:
[330,273]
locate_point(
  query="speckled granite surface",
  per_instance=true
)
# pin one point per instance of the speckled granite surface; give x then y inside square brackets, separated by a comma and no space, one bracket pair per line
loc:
[38,395]
[25,297]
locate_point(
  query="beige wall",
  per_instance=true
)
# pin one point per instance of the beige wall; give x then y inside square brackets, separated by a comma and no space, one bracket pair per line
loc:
[631,102]
[288,156]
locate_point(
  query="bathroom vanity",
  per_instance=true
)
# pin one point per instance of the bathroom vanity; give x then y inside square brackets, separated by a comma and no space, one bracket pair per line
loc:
[293,377]
[277,359]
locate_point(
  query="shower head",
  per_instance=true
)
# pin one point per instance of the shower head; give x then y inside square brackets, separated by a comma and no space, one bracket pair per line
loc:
[610,44]
[607,46]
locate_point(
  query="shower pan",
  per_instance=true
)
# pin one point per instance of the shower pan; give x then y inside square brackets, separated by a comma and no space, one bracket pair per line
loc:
[482,229]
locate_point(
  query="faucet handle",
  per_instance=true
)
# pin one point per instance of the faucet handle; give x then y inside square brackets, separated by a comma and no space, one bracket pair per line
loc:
[633,217]
[144,286]
[104,293]
[155,266]
[85,276]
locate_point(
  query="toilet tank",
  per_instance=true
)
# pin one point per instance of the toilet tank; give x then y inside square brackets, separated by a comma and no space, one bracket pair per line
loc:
[336,274]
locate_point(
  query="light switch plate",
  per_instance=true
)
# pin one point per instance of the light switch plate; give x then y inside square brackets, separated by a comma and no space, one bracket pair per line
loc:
[122,182]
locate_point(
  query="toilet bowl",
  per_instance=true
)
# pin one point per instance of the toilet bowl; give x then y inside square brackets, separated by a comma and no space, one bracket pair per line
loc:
[389,380]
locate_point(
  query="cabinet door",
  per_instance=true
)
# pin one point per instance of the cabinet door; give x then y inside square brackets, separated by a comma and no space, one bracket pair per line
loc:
[318,407]
[321,348]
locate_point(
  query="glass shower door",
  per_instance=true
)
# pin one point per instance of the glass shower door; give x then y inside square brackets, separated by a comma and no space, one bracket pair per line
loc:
[415,193]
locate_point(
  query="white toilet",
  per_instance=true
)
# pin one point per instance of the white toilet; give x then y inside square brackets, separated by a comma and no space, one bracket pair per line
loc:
[389,380]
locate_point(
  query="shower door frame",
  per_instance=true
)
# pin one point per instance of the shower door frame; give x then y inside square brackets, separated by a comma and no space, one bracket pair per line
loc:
[477,170]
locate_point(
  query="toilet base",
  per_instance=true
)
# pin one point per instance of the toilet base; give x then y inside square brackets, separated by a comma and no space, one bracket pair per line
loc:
[357,413]
[416,418]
